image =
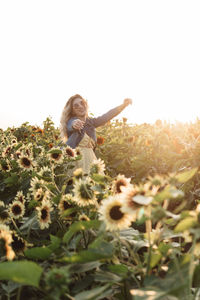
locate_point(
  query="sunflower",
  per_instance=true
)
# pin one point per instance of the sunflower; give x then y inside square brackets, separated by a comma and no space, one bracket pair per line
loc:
[17,154]
[65,203]
[83,192]
[100,140]
[41,195]
[5,165]
[131,206]
[18,244]
[39,130]
[150,189]
[45,172]
[70,152]
[20,197]
[83,217]
[34,128]
[119,182]
[36,184]
[43,212]
[38,194]
[78,151]
[5,241]
[4,215]
[55,155]
[113,216]
[97,166]
[28,151]
[6,152]
[13,141]
[78,173]
[26,162]
[4,227]
[16,209]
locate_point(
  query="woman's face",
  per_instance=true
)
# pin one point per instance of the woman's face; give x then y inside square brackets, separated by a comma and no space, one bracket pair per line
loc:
[79,108]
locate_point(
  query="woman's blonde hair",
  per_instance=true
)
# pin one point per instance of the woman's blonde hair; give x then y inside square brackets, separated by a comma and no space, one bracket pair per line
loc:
[67,114]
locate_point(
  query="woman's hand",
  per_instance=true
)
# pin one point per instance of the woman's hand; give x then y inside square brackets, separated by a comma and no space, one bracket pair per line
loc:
[127,101]
[78,124]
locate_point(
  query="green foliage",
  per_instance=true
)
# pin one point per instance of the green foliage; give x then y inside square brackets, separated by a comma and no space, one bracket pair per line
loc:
[23,272]
[85,237]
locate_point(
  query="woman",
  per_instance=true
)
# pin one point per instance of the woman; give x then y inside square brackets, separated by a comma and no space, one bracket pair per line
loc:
[79,129]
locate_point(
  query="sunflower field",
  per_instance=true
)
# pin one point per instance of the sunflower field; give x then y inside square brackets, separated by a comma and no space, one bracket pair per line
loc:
[128,230]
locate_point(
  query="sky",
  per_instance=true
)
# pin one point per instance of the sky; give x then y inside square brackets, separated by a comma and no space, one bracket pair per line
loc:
[105,50]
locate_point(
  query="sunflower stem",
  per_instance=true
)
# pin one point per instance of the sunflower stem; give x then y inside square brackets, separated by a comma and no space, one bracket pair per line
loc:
[53,176]
[165,205]
[148,231]
[118,244]
[192,264]
[19,293]
[29,228]
[135,258]
[84,238]
[15,225]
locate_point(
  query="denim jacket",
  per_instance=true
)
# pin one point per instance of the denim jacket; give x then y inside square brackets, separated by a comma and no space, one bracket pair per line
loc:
[75,136]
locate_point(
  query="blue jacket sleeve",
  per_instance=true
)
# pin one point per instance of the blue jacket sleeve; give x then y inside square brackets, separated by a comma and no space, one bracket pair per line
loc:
[69,125]
[99,121]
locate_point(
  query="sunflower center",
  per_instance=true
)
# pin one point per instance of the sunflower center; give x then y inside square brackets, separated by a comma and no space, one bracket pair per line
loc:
[39,196]
[16,209]
[3,215]
[78,152]
[8,149]
[66,205]
[69,152]
[116,213]
[44,214]
[100,140]
[21,199]
[55,155]
[18,154]
[86,192]
[27,152]
[119,184]
[18,244]
[26,162]
[5,167]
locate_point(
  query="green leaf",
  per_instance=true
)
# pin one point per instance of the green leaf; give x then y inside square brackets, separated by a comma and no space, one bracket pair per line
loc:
[173,286]
[80,268]
[97,250]
[163,248]
[55,242]
[11,180]
[165,194]
[187,175]
[196,277]
[38,253]
[185,224]
[69,211]
[155,258]
[121,270]
[104,276]
[169,192]
[92,294]
[57,198]
[78,226]
[86,256]
[55,151]
[99,178]
[24,272]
